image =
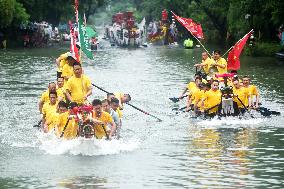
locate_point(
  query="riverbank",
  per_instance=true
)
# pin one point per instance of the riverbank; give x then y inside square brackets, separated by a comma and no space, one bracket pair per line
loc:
[263,49]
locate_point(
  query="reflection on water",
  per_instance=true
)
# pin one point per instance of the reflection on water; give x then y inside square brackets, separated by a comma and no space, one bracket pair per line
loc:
[83,182]
[176,153]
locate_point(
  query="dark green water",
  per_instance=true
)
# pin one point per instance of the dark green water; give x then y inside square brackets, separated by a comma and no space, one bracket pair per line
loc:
[177,153]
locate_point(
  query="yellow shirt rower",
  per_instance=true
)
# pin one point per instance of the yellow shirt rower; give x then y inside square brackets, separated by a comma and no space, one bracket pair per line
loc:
[63,127]
[48,110]
[212,98]
[101,119]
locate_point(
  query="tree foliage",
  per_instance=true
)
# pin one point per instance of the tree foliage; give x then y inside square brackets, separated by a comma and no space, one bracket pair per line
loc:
[12,13]
[223,18]
[15,12]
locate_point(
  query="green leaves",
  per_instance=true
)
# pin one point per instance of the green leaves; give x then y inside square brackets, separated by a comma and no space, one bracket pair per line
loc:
[12,12]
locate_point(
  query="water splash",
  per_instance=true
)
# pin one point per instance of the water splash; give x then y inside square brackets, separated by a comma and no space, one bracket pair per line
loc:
[50,144]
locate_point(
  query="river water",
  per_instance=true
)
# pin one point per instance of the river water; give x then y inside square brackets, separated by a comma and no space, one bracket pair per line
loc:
[179,152]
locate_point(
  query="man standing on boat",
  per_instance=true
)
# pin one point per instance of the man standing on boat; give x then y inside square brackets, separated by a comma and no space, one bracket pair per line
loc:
[220,63]
[67,70]
[206,62]
[79,86]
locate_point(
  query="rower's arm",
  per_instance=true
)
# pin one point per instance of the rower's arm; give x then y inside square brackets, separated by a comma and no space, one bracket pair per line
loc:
[188,103]
[257,100]
[184,91]
[220,65]
[89,93]
[57,61]
[195,105]
[68,95]
[40,105]
[200,65]
[113,128]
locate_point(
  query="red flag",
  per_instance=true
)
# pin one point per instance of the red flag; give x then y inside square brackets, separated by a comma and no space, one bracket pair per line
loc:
[234,54]
[73,48]
[194,28]
[76,10]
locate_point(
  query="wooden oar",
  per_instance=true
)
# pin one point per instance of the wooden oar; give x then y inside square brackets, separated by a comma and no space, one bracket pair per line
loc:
[107,136]
[68,119]
[176,99]
[147,113]
[245,107]
[130,104]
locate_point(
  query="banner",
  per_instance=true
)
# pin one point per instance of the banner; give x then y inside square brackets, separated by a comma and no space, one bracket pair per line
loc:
[84,40]
[194,28]
[234,54]
[73,49]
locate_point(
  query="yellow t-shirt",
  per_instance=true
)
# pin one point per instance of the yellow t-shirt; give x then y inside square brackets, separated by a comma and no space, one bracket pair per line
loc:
[119,95]
[223,62]
[48,110]
[67,71]
[119,113]
[53,119]
[71,129]
[199,98]
[61,93]
[106,119]
[243,94]
[253,90]
[78,88]
[212,98]
[45,97]
[196,95]
[208,63]
[191,87]
[63,61]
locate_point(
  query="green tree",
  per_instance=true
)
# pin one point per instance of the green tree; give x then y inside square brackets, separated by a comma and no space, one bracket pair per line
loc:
[13,13]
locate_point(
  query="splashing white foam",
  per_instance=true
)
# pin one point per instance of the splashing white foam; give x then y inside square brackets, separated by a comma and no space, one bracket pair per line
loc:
[229,121]
[82,146]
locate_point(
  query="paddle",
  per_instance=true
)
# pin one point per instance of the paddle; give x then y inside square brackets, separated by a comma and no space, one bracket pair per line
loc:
[68,119]
[179,109]
[266,112]
[38,124]
[244,106]
[130,104]
[105,131]
[175,99]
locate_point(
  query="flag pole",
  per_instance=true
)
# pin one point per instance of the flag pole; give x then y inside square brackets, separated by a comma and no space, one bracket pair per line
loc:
[176,16]
[236,43]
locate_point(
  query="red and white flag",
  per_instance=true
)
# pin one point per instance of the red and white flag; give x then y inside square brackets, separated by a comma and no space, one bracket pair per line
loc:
[234,54]
[194,28]
[73,48]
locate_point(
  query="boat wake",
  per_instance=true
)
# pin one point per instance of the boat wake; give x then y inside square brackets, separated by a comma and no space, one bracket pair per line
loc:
[50,144]
[231,121]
